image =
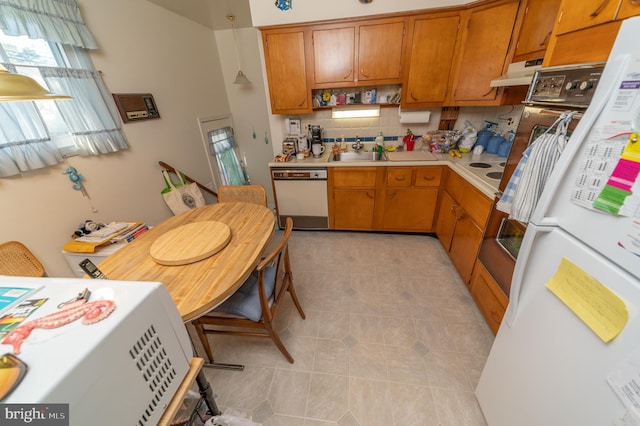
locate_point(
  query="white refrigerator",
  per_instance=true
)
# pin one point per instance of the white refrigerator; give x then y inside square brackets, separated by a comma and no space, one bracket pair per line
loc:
[547,365]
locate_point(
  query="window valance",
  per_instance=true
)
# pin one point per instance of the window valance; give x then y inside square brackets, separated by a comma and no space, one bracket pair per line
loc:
[53,20]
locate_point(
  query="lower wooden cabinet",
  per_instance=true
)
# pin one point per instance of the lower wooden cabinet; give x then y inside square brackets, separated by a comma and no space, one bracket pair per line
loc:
[384,198]
[352,195]
[353,208]
[489,297]
[461,220]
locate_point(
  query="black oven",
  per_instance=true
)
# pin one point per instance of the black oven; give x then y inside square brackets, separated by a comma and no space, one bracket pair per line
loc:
[553,91]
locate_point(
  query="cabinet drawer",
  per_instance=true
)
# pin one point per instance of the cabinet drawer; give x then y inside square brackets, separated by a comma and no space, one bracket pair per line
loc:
[354,177]
[399,176]
[476,205]
[428,176]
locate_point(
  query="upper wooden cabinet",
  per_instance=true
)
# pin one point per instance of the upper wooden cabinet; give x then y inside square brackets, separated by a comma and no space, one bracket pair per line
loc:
[585,31]
[333,54]
[358,53]
[576,15]
[628,8]
[535,32]
[284,53]
[431,42]
[482,57]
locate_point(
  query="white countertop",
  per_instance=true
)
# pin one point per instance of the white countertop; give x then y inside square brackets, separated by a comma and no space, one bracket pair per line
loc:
[476,176]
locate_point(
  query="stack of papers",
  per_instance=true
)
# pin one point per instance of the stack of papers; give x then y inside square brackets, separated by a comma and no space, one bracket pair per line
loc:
[105,233]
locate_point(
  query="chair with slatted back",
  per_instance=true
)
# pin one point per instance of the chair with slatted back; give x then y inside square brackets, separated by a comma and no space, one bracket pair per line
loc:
[16,260]
[245,193]
[255,304]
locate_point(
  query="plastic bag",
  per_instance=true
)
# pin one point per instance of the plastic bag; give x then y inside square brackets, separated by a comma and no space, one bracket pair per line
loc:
[468,137]
[231,417]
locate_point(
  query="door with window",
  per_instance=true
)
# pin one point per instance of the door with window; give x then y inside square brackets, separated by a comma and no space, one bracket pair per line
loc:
[222,151]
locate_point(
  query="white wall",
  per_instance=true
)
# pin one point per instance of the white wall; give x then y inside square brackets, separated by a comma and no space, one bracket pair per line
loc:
[248,103]
[143,48]
[265,13]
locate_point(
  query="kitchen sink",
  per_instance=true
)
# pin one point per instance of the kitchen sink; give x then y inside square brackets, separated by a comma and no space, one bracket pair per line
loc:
[358,156]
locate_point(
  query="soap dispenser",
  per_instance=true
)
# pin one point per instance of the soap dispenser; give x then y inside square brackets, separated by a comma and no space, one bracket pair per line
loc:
[379,140]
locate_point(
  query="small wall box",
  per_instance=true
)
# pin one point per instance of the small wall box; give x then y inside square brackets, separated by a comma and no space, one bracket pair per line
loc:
[136,106]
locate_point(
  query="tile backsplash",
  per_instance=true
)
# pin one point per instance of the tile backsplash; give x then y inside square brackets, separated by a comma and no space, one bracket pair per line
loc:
[507,117]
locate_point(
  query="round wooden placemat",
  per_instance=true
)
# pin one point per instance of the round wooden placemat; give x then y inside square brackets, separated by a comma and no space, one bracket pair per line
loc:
[190,243]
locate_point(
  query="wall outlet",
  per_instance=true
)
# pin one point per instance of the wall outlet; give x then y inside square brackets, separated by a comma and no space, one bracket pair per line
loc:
[509,121]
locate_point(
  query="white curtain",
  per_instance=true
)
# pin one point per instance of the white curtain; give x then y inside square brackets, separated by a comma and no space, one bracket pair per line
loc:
[58,21]
[24,142]
[94,123]
[221,146]
[90,116]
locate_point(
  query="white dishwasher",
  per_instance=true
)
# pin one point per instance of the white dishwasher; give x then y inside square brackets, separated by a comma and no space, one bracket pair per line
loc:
[301,194]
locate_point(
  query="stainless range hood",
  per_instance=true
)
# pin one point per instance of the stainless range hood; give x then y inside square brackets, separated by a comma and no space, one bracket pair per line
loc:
[518,74]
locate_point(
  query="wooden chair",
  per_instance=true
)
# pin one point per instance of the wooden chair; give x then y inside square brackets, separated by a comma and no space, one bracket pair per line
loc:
[255,304]
[245,193]
[16,260]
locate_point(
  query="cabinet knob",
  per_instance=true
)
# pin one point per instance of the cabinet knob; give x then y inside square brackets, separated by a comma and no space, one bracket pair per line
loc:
[399,178]
[428,177]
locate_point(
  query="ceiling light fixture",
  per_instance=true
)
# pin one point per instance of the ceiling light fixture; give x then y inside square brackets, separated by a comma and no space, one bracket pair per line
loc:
[240,77]
[364,111]
[17,87]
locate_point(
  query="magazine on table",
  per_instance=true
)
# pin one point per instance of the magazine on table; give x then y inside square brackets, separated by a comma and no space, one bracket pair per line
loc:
[11,295]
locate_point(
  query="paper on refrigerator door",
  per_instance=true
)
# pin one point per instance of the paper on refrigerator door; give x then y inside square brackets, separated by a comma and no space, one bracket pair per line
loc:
[597,306]
[625,381]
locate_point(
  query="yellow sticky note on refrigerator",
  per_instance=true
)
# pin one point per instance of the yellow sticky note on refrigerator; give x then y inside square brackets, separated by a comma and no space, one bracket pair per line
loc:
[596,305]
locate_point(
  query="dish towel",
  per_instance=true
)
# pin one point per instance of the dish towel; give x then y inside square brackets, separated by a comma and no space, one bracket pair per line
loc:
[530,176]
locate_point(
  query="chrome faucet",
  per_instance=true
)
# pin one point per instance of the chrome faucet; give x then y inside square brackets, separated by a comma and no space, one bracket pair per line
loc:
[358,145]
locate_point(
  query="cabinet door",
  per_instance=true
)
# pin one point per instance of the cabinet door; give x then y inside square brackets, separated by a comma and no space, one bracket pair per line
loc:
[575,15]
[485,43]
[446,220]
[333,55]
[429,60]
[286,72]
[535,33]
[353,208]
[465,244]
[489,297]
[628,8]
[410,209]
[380,51]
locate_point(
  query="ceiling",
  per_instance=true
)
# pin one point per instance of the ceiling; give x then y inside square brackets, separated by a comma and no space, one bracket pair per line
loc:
[210,13]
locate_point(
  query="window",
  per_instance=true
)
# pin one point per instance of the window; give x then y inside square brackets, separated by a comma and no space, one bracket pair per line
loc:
[48,41]
[224,163]
[26,55]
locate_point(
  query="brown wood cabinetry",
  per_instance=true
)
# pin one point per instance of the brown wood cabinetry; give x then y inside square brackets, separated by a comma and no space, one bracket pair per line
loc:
[352,195]
[384,198]
[360,53]
[577,15]
[431,42]
[628,8]
[489,297]
[585,31]
[460,222]
[284,52]
[537,26]
[483,54]
[410,198]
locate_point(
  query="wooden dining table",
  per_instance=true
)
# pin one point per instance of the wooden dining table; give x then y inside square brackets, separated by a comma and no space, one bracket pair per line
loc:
[198,287]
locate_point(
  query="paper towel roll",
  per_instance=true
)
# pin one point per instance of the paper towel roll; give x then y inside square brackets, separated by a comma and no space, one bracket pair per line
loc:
[414,116]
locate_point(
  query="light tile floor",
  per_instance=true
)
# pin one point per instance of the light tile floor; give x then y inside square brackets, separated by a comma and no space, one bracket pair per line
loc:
[392,337]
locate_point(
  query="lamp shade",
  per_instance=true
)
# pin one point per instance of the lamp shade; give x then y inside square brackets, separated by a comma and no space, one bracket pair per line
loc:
[241,78]
[17,87]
